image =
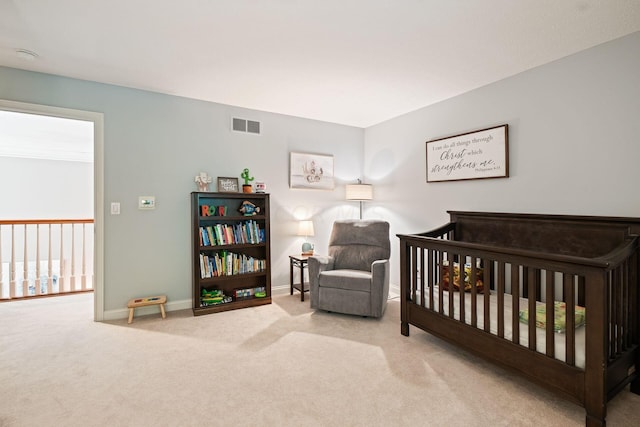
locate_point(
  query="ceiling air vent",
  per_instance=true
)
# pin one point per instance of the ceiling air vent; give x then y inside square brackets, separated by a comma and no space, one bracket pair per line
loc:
[244,125]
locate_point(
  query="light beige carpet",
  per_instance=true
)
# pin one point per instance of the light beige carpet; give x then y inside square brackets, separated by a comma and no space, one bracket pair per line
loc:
[276,365]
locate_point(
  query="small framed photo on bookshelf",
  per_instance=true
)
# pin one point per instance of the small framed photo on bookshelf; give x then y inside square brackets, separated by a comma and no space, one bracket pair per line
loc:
[227,185]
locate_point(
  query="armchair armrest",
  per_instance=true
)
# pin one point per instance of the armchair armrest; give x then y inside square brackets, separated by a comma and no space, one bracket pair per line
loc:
[379,285]
[317,264]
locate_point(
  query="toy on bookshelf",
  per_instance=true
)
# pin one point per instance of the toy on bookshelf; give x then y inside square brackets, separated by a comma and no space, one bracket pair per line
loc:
[211,210]
[203,180]
[246,187]
[213,297]
[248,209]
[259,292]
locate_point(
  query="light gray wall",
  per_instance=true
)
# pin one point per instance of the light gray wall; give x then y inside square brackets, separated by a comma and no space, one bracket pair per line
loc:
[62,189]
[574,147]
[155,144]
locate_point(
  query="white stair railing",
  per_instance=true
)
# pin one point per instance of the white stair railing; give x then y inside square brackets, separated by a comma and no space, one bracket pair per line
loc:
[32,275]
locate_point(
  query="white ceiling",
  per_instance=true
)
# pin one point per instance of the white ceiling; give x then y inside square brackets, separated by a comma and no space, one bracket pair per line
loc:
[354,62]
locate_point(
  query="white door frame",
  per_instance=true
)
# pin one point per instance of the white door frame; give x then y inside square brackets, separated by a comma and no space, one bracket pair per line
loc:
[98,183]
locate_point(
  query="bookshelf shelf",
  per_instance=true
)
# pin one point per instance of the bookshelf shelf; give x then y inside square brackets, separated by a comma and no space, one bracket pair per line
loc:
[231,252]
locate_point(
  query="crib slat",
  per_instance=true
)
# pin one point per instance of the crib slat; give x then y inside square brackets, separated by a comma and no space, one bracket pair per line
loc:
[462,293]
[414,271]
[487,295]
[515,304]
[625,304]
[422,273]
[620,303]
[581,291]
[430,281]
[501,267]
[533,297]
[570,307]
[549,294]
[633,298]
[474,294]
[451,258]
[612,313]
[440,288]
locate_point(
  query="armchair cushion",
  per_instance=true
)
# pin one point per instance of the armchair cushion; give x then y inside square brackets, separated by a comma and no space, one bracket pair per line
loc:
[353,280]
[355,245]
[356,257]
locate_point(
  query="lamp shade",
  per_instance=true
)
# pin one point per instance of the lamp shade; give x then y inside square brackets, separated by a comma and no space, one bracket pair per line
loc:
[359,192]
[305,228]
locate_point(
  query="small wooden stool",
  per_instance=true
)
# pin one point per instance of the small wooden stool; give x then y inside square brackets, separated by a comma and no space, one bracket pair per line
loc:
[141,302]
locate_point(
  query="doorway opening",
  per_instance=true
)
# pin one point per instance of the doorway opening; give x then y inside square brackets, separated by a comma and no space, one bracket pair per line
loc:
[51,232]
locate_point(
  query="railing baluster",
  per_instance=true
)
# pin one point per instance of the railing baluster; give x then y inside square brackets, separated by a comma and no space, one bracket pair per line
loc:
[13,287]
[73,257]
[62,280]
[25,266]
[50,267]
[38,289]
[1,272]
[84,264]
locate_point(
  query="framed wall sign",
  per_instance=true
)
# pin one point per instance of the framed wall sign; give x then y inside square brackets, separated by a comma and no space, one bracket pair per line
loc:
[227,185]
[311,171]
[472,155]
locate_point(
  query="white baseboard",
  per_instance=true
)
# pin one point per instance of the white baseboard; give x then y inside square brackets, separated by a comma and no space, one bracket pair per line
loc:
[123,313]
[280,289]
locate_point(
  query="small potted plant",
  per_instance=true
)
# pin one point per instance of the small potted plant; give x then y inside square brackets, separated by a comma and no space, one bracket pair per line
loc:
[246,187]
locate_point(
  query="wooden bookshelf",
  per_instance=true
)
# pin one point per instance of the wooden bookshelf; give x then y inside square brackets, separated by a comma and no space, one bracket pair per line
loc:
[231,252]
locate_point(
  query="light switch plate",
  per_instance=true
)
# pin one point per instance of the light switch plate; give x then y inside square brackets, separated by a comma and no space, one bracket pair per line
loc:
[146,202]
[115,208]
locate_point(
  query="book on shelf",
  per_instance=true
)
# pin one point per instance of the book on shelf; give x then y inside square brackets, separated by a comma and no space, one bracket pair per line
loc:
[225,263]
[247,232]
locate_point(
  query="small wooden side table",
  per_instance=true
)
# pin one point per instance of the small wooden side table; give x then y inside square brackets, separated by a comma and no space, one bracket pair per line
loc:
[299,261]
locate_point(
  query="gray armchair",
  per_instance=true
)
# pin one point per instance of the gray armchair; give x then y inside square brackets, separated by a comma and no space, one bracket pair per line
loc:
[354,277]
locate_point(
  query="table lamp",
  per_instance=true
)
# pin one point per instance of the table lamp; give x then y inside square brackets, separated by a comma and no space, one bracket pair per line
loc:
[305,228]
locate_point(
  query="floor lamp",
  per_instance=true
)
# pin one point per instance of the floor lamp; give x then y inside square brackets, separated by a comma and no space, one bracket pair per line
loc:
[360,192]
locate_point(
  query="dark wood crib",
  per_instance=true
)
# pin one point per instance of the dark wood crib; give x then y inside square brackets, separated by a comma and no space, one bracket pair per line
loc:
[481,280]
